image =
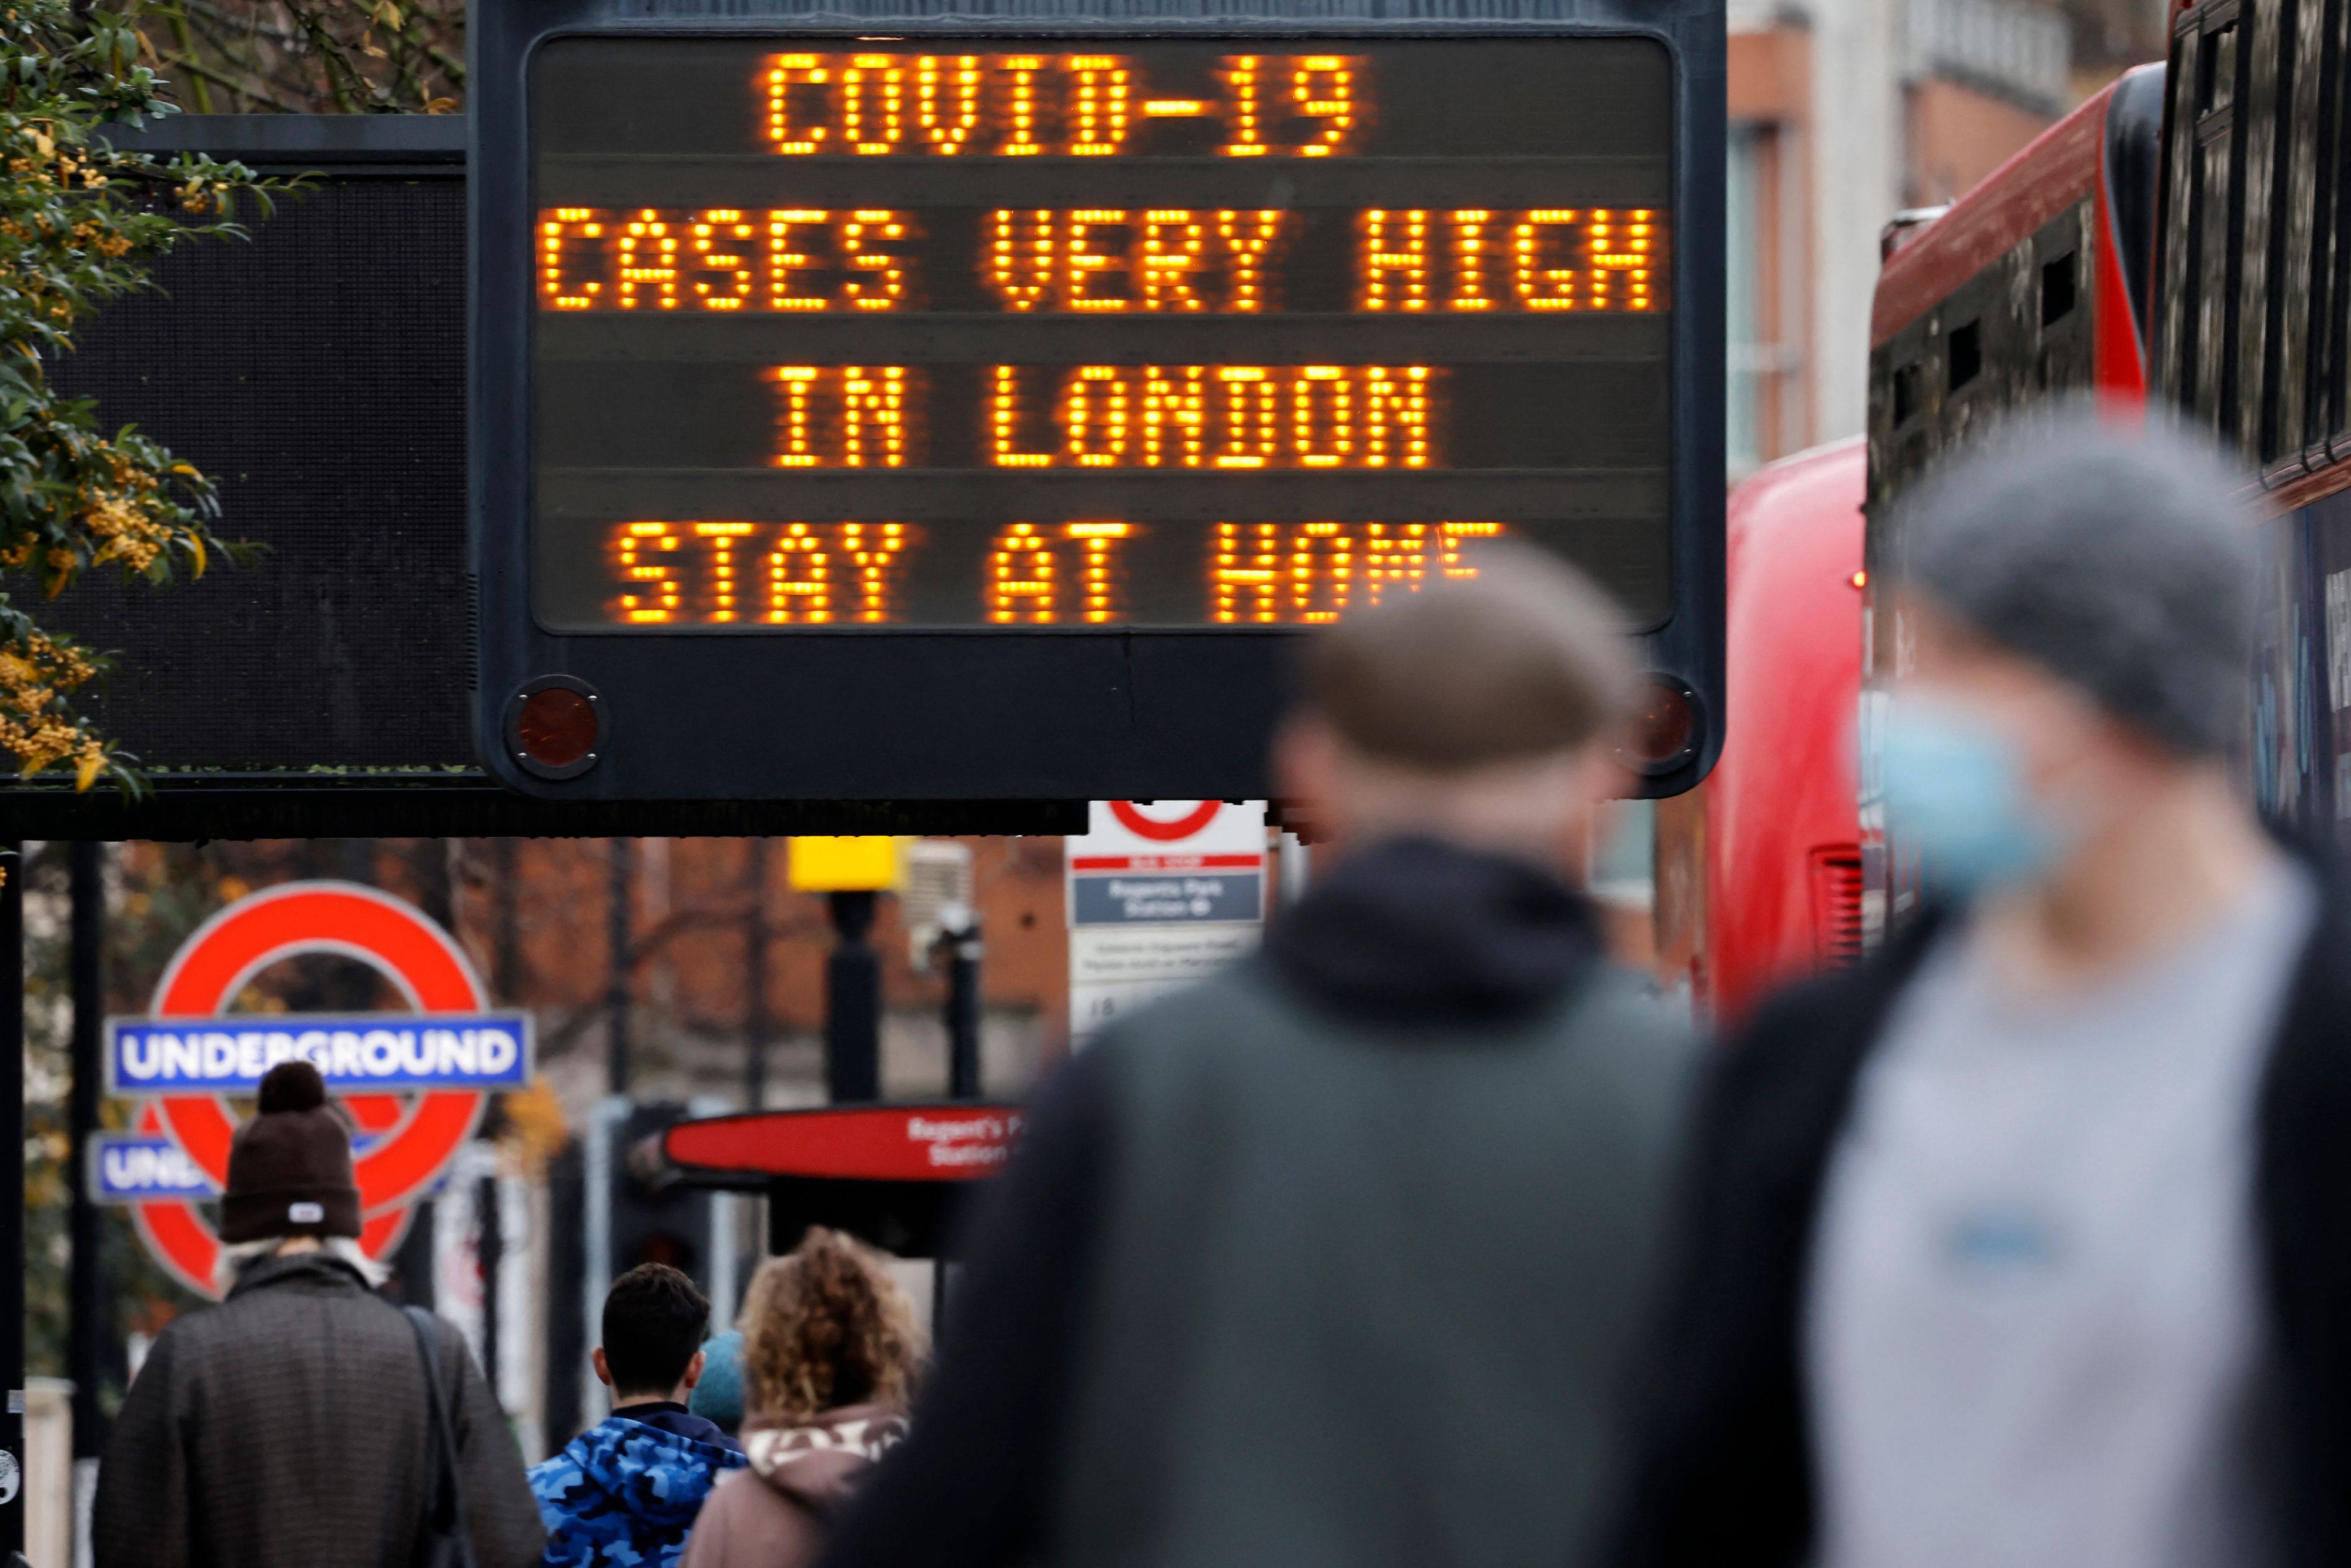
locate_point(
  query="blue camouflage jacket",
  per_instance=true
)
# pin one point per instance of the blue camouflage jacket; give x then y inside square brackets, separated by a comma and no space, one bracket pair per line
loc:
[624,1494]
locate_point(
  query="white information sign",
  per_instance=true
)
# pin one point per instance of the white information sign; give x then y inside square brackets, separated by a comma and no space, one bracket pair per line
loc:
[1161,893]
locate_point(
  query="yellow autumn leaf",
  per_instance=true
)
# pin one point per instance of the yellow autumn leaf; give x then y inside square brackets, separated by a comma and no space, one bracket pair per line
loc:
[197,549]
[87,774]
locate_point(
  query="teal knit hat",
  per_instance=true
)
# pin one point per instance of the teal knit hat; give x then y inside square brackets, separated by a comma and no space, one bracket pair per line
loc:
[719,1396]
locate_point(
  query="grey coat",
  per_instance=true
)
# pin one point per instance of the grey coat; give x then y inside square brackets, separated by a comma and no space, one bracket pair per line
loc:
[288,1426]
[1332,1261]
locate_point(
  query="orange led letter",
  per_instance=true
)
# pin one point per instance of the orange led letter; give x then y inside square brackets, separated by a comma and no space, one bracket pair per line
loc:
[1469,260]
[1020,257]
[1395,560]
[1097,570]
[873,104]
[795,440]
[1093,425]
[1322,571]
[1395,261]
[1248,567]
[887,289]
[719,244]
[642,554]
[1244,127]
[1247,411]
[783,261]
[722,538]
[1540,287]
[1021,576]
[1171,244]
[558,228]
[946,101]
[1175,416]
[1322,88]
[1449,536]
[1395,416]
[648,262]
[873,417]
[1004,422]
[798,586]
[786,72]
[1080,262]
[872,548]
[1248,237]
[1322,424]
[1621,248]
[1098,104]
[1020,73]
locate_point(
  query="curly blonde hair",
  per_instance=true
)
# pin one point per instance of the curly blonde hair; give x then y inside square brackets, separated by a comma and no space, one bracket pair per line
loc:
[826,1327]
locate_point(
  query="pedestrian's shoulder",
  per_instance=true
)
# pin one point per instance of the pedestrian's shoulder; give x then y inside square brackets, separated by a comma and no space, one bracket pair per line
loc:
[191,1334]
[1801,1040]
[1207,1009]
[1630,1010]
[1621,1026]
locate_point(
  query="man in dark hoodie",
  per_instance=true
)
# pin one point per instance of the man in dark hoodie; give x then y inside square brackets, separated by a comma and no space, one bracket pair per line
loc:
[625,1493]
[1334,1258]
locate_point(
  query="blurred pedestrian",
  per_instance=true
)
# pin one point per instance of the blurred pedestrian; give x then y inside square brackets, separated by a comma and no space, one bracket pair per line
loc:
[718,1397]
[625,1493]
[831,1351]
[293,1424]
[1333,1259]
[2024,1244]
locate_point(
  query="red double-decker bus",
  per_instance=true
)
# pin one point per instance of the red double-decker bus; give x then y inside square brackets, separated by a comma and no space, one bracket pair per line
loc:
[2039,280]
[2253,291]
[1782,849]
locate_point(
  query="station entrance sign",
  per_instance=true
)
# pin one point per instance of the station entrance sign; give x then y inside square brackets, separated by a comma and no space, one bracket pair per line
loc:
[892,1174]
[414,1085]
[1160,893]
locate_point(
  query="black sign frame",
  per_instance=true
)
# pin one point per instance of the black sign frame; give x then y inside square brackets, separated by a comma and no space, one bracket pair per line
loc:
[1042,712]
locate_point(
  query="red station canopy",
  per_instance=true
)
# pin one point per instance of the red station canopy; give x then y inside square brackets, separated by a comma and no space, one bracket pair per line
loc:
[955,1142]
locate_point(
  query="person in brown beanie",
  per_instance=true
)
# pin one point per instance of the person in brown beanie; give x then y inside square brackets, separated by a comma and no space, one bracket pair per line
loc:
[292,1423]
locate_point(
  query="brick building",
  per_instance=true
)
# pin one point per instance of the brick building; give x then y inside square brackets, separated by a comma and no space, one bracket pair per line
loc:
[1843,113]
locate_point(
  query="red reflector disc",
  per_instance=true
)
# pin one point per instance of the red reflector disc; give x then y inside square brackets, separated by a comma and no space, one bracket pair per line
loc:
[1662,726]
[557,726]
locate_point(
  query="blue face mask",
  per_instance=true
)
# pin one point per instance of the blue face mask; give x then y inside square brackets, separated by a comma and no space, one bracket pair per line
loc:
[1954,797]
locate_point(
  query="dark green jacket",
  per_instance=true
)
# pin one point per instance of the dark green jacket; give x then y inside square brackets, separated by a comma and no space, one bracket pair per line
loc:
[1333,1259]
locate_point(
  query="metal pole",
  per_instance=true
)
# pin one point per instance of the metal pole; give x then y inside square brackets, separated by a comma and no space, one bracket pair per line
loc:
[852,1004]
[86,1315]
[616,999]
[490,1252]
[1294,864]
[505,961]
[12,1196]
[757,1026]
[959,935]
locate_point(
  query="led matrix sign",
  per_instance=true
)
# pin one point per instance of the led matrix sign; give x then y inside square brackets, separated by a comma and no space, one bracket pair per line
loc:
[838,333]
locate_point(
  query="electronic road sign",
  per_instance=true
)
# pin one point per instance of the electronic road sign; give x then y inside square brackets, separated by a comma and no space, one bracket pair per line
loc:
[976,405]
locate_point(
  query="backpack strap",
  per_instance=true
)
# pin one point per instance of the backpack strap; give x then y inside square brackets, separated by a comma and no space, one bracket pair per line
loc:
[444,1516]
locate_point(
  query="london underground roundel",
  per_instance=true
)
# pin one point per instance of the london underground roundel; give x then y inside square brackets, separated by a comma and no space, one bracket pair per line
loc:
[414,1085]
[1160,824]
